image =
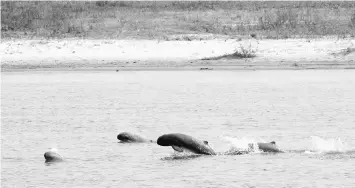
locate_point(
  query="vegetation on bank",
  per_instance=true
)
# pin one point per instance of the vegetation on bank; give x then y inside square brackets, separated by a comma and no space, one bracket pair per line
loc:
[239,53]
[162,20]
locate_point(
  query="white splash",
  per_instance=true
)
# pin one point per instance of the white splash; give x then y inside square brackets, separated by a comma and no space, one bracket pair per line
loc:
[324,145]
[243,144]
[54,150]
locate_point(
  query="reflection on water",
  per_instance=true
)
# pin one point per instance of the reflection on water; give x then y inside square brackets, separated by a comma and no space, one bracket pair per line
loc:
[310,114]
[184,156]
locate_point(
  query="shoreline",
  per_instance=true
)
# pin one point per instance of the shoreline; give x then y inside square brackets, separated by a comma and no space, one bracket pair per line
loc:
[250,67]
[141,55]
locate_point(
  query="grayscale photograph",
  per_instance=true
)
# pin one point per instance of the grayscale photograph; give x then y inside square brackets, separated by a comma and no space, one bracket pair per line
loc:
[195,94]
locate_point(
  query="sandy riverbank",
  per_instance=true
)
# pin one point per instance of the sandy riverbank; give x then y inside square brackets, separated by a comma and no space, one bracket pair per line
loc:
[74,54]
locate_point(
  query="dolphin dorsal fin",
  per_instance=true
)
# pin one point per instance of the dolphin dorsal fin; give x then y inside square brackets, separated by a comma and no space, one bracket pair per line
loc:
[205,142]
[273,142]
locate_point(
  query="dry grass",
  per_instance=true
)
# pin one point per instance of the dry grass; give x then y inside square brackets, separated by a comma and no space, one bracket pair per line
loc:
[244,51]
[344,52]
[159,20]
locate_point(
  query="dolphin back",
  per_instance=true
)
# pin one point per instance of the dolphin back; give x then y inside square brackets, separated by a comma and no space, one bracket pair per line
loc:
[268,147]
[181,141]
[51,156]
[129,137]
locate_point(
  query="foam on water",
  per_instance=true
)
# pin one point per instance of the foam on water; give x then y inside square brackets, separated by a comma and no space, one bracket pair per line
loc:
[243,144]
[317,145]
[328,145]
[54,150]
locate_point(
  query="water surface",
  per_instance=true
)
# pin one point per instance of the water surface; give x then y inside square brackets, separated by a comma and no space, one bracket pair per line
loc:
[309,113]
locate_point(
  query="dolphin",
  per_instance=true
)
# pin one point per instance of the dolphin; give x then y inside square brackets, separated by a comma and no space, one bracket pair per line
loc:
[266,147]
[181,142]
[52,156]
[126,137]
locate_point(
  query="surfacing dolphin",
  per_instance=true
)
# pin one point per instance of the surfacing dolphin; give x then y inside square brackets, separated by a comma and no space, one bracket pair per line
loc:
[266,147]
[126,137]
[52,156]
[181,142]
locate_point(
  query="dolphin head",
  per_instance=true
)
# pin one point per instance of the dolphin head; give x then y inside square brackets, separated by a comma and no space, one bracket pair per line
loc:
[168,140]
[124,137]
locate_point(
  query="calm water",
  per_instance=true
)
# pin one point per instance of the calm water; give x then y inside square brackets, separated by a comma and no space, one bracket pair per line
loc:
[310,114]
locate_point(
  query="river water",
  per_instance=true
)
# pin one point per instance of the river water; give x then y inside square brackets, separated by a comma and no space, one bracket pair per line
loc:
[309,113]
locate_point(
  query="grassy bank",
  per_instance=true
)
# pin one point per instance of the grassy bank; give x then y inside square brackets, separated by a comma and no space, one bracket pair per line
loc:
[175,20]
